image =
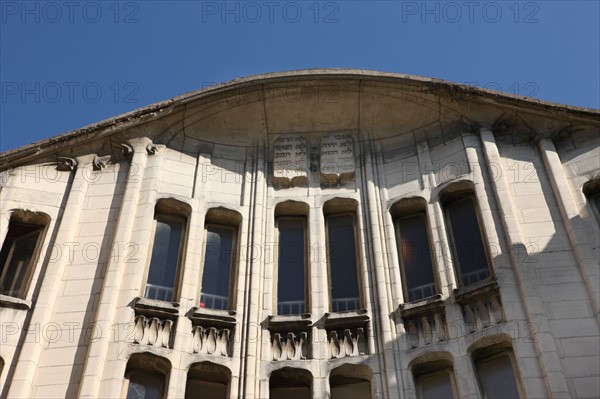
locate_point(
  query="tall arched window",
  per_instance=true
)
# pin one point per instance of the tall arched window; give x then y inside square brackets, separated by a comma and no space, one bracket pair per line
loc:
[146,376]
[220,258]
[469,251]
[434,376]
[342,254]
[20,251]
[350,381]
[170,223]
[291,270]
[207,380]
[497,371]
[414,250]
[287,383]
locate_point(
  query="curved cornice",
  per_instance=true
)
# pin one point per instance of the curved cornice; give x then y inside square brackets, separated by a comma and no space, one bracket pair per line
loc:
[151,112]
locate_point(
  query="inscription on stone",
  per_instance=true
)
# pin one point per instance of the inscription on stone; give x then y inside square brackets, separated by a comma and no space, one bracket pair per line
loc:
[290,161]
[337,159]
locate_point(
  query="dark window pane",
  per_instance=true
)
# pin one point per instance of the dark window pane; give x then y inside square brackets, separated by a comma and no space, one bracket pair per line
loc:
[144,387]
[165,257]
[342,263]
[436,386]
[205,389]
[291,267]
[467,242]
[357,390]
[416,258]
[17,252]
[596,203]
[217,267]
[497,378]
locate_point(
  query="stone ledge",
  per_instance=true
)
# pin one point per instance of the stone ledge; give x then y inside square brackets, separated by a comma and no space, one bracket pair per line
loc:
[213,317]
[279,323]
[155,308]
[15,303]
[426,306]
[348,319]
[476,291]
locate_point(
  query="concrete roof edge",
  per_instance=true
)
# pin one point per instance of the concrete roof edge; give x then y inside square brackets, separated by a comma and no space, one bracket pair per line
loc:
[149,112]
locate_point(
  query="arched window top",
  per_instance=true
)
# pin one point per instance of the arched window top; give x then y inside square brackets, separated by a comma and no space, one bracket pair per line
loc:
[290,376]
[350,372]
[149,362]
[222,215]
[489,344]
[455,190]
[173,206]
[210,371]
[340,204]
[29,217]
[405,206]
[592,186]
[431,361]
[292,208]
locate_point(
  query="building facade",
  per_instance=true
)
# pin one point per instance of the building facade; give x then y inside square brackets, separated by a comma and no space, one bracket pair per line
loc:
[310,234]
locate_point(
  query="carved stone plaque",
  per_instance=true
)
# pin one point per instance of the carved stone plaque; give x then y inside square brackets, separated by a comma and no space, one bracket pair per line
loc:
[290,161]
[337,159]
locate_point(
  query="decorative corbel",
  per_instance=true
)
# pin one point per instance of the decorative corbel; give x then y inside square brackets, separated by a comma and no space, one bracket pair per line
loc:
[100,162]
[151,149]
[66,164]
[126,150]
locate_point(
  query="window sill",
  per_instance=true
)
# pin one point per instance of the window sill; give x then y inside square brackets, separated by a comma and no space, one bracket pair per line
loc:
[422,307]
[299,322]
[156,308]
[15,303]
[347,319]
[213,317]
[474,292]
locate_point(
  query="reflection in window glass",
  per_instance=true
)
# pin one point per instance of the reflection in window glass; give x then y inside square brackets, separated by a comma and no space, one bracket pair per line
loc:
[497,377]
[144,386]
[416,258]
[291,266]
[437,385]
[469,252]
[341,251]
[165,258]
[17,252]
[218,259]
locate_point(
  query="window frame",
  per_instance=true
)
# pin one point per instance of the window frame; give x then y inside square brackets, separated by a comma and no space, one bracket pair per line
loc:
[231,298]
[487,355]
[470,196]
[446,369]
[307,285]
[41,228]
[356,230]
[144,374]
[180,257]
[434,269]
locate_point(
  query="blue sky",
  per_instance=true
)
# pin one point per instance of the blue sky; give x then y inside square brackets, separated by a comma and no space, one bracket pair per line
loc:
[67,64]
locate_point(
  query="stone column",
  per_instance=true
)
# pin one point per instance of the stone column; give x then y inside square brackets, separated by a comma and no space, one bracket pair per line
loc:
[578,234]
[42,312]
[545,346]
[389,370]
[96,356]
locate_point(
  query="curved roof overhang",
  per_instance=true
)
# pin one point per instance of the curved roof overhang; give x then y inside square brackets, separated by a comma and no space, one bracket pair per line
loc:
[437,87]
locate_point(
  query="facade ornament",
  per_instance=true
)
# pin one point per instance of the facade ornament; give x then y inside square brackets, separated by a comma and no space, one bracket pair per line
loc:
[151,149]
[126,150]
[66,164]
[100,162]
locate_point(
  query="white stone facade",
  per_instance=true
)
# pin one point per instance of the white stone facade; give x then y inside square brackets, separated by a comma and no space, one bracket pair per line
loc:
[532,169]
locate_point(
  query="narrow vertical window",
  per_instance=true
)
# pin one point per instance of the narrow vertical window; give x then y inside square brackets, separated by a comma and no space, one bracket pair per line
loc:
[497,377]
[436,385]
[145,377]
[291,266]
[342,255]
[415,257]
[595,202]
[166,254]
[290,383]
[467,242]
[218,263]
[207,380]
[17,257]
